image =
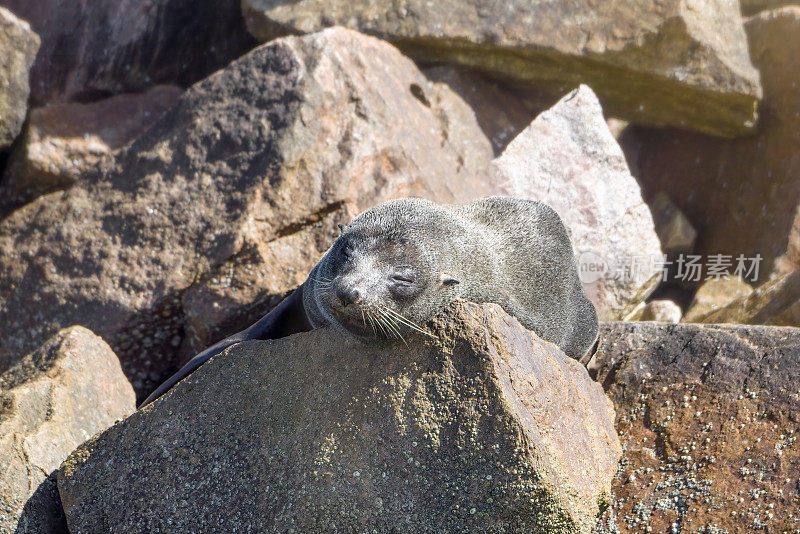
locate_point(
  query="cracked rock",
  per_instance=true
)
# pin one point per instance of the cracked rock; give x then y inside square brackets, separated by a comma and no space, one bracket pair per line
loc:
[231,198]
[52,401]
[489,429]
[668,62]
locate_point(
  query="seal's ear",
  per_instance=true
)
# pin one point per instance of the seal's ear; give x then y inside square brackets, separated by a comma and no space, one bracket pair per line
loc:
[341,227]
[447,280]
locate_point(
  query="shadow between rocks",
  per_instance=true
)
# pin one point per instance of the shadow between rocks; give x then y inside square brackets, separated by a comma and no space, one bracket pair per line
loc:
[43,514]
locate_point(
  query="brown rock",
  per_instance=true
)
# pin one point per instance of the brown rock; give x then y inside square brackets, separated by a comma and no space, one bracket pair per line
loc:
[676,233]
[568,159]
[741,195]
[709,418]
[18,46]
[774,303]
[674,62]
[256,163]
[491,429]
[52,401]
[502,111]
[752,7]
[714,294]
[659,310]
[65,141]
[94,48]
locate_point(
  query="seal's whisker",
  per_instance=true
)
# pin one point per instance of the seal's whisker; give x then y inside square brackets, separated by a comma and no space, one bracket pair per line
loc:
[381,326]
[409,323]
[371,320]
[392,323]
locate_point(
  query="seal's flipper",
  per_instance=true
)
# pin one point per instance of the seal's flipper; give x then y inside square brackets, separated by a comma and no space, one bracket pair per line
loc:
[285,319]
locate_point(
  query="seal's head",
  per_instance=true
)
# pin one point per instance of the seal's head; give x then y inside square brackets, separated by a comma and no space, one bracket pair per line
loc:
[380,278]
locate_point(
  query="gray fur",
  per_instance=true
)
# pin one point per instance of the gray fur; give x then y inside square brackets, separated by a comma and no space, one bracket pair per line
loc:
[512,252]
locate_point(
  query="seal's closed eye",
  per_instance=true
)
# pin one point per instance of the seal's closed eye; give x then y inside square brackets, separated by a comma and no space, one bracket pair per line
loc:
[403,274]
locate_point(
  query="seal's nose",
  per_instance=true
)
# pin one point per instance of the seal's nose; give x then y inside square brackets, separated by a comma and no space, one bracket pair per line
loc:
[347,295]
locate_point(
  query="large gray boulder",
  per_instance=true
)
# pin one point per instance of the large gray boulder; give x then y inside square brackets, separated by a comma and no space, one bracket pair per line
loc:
[94,48]
[52,401]
[18,46]
[489,428]
[672,62]
[709,418]
[226,203]
[568,159]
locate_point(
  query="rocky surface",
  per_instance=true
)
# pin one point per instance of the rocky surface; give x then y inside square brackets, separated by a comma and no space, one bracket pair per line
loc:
[775,303]
[674,62]
[94,48]
[752,7]
[502,111]
[231,198]
[471,432]
[18,46]
[61,143]
[714,294]
[659,310]
[50,402]
[741,195]
[709,418]
[676,233]
[568,159]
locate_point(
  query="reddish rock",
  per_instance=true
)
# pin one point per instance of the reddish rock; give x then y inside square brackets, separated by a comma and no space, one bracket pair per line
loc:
[63,142]
[568,159]
[255,164]
[709,419]
[487,429]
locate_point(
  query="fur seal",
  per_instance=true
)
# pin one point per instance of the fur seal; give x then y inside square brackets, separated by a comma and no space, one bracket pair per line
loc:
[400,263]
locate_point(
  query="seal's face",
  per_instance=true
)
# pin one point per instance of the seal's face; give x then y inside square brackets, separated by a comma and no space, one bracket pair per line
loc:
[377,283]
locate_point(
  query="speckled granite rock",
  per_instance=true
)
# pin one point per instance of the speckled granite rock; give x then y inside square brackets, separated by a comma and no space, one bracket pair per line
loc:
[234,194]
[62,142]
[667,62]
[568,159]
[18,46]
[50,402]
[491,430]
[709,419]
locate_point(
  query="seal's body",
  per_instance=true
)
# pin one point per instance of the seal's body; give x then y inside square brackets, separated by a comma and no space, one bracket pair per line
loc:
[400,263]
